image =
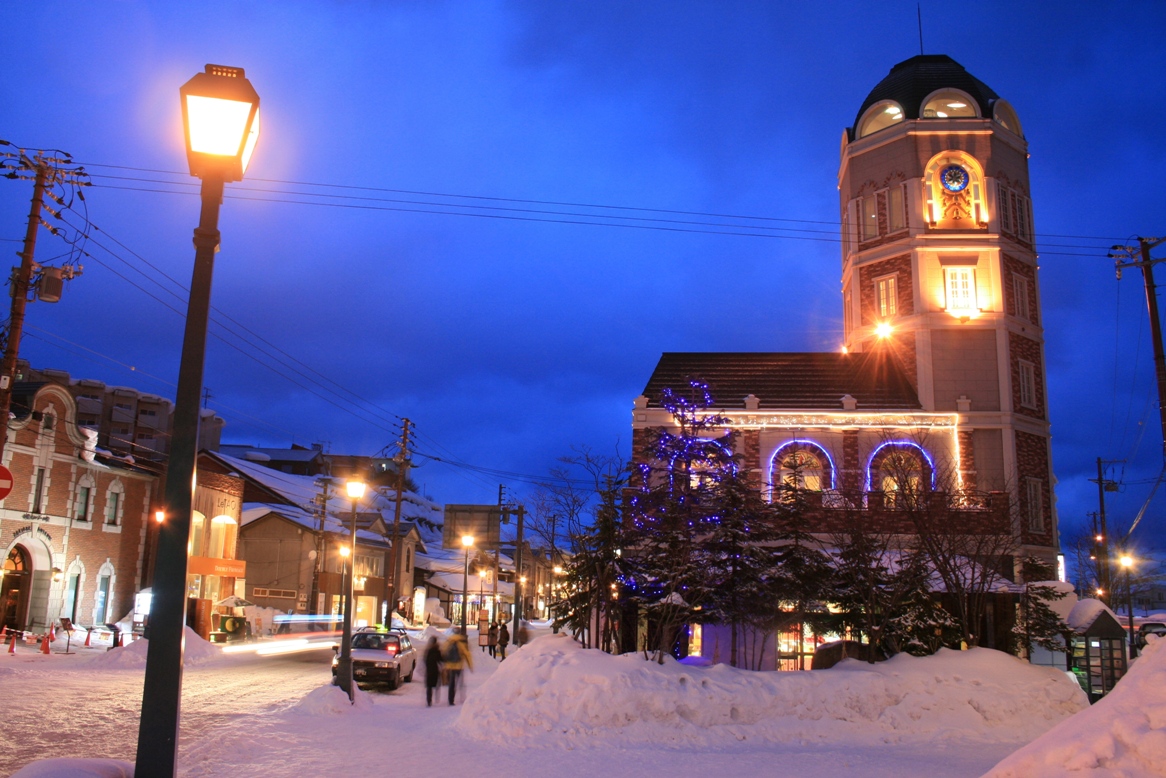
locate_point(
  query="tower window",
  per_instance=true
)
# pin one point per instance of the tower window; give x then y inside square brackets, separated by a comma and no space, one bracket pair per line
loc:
[896,214]
[1020,295]
[960,285]
[878,117]
[870,217]
[887,297]
[949,104]
[1027,384]
[1035,504]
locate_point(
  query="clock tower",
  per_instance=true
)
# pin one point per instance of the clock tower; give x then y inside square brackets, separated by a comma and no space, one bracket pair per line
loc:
[939,269]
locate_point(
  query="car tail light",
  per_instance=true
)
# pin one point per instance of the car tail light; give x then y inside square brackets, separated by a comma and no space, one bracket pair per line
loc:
[392,648]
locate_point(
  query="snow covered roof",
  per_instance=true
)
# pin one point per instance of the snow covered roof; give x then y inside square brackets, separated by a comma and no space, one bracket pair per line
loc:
[1086,613]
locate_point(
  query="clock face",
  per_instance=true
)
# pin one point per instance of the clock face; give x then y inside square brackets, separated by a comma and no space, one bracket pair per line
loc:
[954,178]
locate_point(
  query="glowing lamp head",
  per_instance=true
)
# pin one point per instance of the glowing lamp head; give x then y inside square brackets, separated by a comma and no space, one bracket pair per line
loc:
[355,489]
[883,330]
[345,551]
[160,516]
[1100,592]
[558,570]
[57,574]
[220,116]
[467,541]
[1126,561]
[522,579]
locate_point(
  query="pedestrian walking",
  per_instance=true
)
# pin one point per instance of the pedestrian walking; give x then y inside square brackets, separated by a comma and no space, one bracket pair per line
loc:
[492,639]
[456,657]
[432,669]
[503,640]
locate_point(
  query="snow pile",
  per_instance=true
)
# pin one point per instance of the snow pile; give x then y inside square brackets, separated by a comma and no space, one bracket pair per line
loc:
[197,652]
[552,690]
[1124,734]
[76,768]
[332,701]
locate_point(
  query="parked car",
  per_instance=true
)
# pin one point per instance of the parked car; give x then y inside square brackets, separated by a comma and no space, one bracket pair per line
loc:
[1150,628]
[380,658]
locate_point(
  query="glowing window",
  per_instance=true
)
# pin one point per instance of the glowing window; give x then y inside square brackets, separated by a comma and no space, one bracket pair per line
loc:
[801,470]
[949,104]
[887,298]
[878,117]
[960,284]
[901,477]
[1020,295]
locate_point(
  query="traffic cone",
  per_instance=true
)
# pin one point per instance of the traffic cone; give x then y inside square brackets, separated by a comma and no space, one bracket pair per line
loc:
[44,644]
[4,632]
[88,634]
[52,634]
[12,645]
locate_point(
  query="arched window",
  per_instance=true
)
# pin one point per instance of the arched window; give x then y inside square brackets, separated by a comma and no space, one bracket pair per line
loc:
[879,116]
[704,460]
[800,465]
[949,104]
[84,498]
[1006,117]
[903,471]
[114,504]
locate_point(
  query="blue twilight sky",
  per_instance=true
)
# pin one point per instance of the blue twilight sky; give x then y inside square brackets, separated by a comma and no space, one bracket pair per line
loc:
[512,334]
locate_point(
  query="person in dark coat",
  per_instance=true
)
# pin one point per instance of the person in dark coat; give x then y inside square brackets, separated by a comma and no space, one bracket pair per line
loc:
[432,669]
[492,639]
[503,640]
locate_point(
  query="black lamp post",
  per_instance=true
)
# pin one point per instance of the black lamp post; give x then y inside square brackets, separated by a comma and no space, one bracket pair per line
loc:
[355,491]
[220,114]
[467,541]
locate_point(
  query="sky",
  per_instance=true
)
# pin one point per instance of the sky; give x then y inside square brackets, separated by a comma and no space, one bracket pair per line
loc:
[491,218]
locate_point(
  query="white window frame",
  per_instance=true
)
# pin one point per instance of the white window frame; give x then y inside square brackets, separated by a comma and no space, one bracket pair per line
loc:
[1035,504]
[887,296]
[1027,371]
[118,509]
[959,285]
[1020,296]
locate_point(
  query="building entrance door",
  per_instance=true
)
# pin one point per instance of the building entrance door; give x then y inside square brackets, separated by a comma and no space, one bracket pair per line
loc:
[14,589]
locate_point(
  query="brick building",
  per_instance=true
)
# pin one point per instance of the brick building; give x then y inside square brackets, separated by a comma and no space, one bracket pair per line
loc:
[73,529]
[941,371]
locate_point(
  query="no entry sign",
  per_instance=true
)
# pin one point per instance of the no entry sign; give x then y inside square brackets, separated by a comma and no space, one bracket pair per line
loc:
[5,482]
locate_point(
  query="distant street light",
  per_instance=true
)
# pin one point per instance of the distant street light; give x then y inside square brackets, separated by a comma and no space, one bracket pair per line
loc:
[220,116]
[467,541]
[355,491]
[1127,564]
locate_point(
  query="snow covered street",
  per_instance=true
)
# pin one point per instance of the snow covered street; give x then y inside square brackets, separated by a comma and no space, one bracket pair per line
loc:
[277,716]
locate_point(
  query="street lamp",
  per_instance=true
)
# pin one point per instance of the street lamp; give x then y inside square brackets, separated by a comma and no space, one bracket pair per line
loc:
[355,490]
[220,116]
[1127,564]
[467,541]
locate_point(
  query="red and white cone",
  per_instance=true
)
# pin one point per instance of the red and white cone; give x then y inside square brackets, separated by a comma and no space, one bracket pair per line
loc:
[44,644]
[52,634]
[12,645]
[88,634]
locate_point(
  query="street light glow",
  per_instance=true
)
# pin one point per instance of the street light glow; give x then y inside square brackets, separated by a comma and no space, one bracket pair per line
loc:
[220,115]
[355,489]
[883,329]
[467,540]
[1126,561]
[344,551]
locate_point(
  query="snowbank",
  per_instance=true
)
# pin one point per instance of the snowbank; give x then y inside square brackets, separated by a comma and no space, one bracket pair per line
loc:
[1124,734]
[197,652]
[332,701]
[554,691]
[76,768]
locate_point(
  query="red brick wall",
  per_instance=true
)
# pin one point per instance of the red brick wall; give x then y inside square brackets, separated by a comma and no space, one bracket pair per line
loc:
[1029,273]
[1029,350]
[750,446]
[967,459]
[1032,460]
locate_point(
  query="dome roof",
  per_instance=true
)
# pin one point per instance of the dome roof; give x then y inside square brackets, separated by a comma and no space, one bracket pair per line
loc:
[914,79]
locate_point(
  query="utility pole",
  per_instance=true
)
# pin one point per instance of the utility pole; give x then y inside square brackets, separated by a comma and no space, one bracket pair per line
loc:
[1101,536]
[402,462]
[45,171]
[498,546]
[1146,264]
[321,514]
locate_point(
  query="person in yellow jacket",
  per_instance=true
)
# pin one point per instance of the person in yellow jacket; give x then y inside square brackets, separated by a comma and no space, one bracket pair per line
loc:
[456,656]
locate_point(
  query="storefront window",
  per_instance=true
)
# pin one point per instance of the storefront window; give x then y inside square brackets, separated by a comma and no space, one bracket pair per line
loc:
[222,539]
[197,524]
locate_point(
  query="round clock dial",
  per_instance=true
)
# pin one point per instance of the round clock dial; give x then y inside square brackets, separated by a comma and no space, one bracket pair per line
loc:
[954,178]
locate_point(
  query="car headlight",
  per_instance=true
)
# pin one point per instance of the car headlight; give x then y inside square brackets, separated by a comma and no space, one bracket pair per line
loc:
[383,664]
